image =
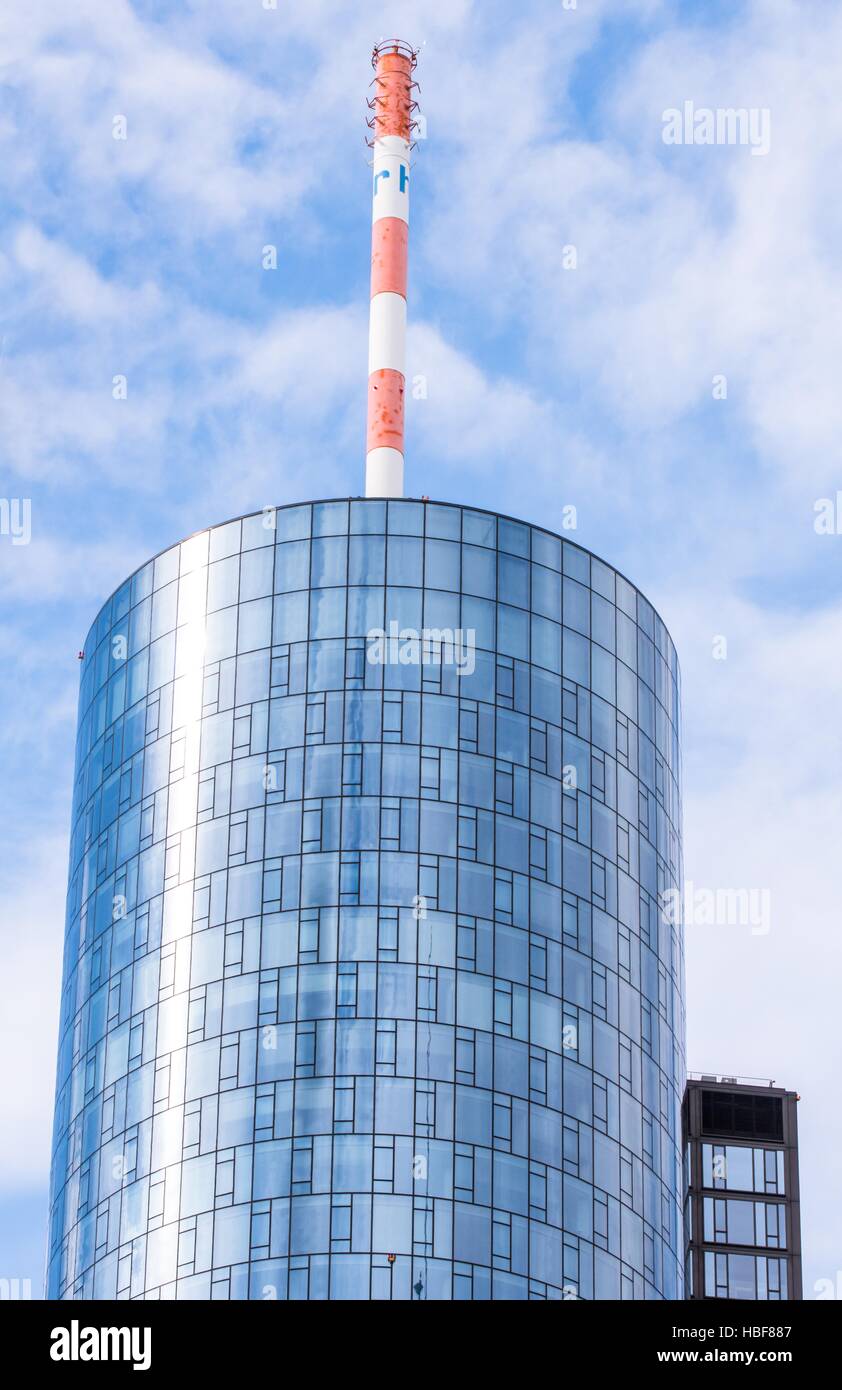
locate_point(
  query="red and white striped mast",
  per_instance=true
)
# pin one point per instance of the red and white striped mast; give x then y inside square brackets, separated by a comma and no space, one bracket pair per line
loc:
[392,106]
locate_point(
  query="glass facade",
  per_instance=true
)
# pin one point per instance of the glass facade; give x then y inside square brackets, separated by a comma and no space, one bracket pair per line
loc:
[745,1276]
[737,1168]
[742,1195]
[366,989]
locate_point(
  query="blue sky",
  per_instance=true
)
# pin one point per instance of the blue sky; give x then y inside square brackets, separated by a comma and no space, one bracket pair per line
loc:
[545,387]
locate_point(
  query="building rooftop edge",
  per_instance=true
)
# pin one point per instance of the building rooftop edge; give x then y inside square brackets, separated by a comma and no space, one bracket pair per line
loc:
[755,1084]
[397,501]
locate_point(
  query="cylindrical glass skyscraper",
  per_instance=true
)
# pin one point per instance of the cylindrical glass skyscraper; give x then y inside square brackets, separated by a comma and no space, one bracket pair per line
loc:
[366,991]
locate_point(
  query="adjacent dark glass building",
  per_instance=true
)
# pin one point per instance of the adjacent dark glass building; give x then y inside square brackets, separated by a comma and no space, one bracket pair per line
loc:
[366,990]
[742,1214]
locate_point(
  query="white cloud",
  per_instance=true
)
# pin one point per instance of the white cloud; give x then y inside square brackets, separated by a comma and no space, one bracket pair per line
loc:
[692,261]
[59,281]
[30,967]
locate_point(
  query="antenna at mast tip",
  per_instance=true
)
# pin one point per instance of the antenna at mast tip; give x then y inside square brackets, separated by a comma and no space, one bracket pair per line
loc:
[398,46]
